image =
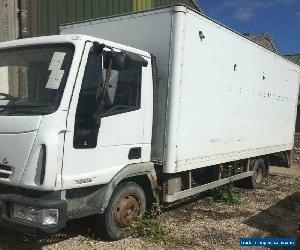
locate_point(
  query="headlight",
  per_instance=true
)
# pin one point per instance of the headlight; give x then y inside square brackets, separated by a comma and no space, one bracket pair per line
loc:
[50,216]
[41,216]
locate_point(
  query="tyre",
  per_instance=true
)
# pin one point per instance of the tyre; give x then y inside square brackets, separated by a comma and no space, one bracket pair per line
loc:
[127,203]
[259,174]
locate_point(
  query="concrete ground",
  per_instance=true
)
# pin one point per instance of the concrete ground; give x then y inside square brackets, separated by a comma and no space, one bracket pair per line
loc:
[293,171]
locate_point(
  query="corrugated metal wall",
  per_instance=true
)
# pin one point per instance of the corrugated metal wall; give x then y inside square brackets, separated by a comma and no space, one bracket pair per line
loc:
[148,4]
[295,59]
[142,5]
[46,15]
[8,20]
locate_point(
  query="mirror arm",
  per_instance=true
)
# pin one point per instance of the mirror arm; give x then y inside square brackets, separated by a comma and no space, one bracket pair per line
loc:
[107,77]
[102,96]
[98,47]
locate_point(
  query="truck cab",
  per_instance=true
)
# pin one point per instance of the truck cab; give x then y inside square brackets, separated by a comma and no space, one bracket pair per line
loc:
[74,111]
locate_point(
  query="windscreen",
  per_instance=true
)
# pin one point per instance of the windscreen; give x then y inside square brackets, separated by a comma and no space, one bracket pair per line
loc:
[33,78]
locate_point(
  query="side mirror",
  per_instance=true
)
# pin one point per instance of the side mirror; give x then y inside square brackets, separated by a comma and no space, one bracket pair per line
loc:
[123,60]
[119,60]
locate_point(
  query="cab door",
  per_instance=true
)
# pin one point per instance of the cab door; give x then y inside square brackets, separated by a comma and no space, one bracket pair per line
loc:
[95,150]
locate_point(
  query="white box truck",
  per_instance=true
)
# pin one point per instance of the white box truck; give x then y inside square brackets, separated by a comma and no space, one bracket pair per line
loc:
[115,114]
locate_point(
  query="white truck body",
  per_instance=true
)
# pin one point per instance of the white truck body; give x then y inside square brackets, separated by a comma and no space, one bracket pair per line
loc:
[226,97]
[83,119]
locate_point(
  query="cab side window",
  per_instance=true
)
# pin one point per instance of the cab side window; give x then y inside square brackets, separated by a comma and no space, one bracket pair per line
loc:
[123,91]
[121,94]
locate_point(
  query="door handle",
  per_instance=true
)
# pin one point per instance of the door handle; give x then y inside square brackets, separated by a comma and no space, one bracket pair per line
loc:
[135,153]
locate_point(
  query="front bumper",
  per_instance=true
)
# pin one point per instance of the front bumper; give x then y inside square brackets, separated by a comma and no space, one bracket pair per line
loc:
[6,200]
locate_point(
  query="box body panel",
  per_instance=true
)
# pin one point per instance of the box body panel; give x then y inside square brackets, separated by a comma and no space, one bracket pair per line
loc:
[236,99]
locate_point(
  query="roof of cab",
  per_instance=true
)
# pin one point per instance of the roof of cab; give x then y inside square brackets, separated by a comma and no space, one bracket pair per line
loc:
[70,38]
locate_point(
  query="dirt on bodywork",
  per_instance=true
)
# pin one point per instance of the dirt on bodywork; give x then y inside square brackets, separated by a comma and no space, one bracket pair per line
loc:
[199,223]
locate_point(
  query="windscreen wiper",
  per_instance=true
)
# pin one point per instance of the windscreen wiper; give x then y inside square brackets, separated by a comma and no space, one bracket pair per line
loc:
[24,108]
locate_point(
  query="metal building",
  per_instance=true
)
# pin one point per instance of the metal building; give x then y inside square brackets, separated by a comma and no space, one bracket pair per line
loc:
[264,40]
[9,24]
[294,58]
[29,18]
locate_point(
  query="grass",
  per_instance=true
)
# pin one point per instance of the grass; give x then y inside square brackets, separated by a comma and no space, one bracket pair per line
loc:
[152,227]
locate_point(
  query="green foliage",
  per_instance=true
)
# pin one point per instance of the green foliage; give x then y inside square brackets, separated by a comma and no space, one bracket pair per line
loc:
[150,225]
[153,228]
[225,193]
[150,228]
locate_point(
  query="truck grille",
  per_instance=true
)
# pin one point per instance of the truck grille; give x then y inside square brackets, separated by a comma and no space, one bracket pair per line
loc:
[5,171]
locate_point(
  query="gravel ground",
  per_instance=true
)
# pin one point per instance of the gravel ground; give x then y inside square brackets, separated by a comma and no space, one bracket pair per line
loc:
[203,224]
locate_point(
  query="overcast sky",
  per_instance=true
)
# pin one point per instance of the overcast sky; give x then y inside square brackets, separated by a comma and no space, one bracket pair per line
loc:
[279,18]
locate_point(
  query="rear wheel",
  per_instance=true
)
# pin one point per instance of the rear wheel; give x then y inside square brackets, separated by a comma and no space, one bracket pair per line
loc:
[127,204]
[259,174]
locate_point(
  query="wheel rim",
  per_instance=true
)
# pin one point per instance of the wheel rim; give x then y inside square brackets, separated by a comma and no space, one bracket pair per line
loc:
[127,211]
[258,175]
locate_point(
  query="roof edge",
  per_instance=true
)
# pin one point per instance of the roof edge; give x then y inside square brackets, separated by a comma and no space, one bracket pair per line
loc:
[198,6]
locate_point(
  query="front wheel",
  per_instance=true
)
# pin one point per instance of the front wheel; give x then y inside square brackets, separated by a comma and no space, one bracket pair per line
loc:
[127,204]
